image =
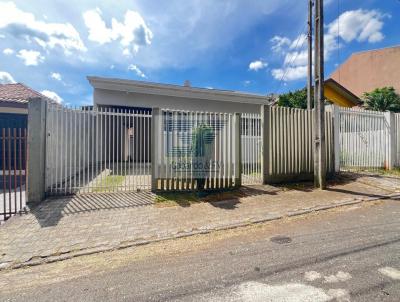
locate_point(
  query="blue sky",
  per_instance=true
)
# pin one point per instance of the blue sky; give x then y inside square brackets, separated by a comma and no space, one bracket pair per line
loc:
[246,45]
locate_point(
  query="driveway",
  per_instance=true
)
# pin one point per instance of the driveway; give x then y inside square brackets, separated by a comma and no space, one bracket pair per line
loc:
[61,228]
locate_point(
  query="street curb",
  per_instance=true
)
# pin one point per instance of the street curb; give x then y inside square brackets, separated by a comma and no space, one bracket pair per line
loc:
[38,260]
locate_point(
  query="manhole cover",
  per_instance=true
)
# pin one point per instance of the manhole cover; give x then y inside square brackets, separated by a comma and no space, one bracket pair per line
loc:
[281,239]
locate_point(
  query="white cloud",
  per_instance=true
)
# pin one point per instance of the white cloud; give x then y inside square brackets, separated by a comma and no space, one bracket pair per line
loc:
[361,25]
[30,57]
[52,95]
[20,24]
[357,25]
[6,78]
[126,52]
[290,73]
[257,65]
[295,59]
[56,76]
[132,33]
[279,43]
[136,69]
[8,51]
[184,33]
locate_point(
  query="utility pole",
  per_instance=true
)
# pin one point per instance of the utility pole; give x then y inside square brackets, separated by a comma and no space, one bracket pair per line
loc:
[309,69]
[319,99]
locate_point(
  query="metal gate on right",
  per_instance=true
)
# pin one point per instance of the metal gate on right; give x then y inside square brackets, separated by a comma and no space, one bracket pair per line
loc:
[363,139]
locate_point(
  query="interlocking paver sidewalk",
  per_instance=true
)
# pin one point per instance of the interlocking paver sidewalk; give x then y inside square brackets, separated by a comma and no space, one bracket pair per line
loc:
[66,227]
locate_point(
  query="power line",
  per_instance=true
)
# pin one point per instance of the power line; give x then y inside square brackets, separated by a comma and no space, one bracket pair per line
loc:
[303,35]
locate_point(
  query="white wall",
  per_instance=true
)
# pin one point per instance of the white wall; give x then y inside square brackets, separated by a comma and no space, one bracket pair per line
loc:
[118,98]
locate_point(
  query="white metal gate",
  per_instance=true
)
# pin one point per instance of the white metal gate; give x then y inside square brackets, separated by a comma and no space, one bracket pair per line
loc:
[198,150]
[251,148]
[99,150]
[363,137]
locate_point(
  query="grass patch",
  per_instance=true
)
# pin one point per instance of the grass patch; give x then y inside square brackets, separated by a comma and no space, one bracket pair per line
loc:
[394,172]
[109,181]
[296,186]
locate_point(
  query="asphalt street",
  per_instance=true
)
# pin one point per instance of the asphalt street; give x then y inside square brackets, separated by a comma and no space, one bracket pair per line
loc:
[348,254]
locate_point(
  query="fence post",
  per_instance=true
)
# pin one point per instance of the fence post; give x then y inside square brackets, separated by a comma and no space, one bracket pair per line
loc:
[390,140]
[336,137]
[238,150]
[155,146]
[265,133]
[37,110]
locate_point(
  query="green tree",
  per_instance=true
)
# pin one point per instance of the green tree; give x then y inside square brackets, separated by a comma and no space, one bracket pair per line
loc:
[295,99]
[382,99]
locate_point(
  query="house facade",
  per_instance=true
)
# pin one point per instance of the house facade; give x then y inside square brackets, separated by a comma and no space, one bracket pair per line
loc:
[120,93]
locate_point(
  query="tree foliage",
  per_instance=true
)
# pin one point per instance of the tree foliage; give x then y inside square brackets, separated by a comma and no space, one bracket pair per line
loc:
[295,99]
[382,99]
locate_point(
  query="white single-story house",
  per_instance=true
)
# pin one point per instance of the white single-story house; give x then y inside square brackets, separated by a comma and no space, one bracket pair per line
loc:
[121,93]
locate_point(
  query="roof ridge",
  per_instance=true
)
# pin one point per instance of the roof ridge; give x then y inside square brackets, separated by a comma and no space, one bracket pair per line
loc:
[20,92]
[172,86]
[34,91]
[376,49]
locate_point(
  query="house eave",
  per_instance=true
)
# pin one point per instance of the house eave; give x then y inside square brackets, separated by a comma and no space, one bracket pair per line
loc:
[131,86]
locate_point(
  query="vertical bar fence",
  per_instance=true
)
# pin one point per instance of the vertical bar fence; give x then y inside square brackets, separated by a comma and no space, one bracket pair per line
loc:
[363,140]
[97,150]
[251,145]
[13,176]
[290,154]
[196,151]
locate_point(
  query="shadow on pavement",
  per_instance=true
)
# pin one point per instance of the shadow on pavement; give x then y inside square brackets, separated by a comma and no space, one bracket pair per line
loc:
[224,199]
[49,212]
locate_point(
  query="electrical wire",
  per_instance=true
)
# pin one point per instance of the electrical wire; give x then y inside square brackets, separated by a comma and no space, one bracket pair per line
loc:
[303,35]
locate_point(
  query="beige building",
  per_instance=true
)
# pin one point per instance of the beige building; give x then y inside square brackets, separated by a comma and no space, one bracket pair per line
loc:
[367,70]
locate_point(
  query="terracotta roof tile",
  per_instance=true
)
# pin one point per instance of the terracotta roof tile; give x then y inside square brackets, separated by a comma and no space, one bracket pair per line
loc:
[19,93]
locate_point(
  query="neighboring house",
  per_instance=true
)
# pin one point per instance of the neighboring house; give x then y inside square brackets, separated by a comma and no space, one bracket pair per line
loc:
[340,95]
[14,104]
[368,70]
[128,93]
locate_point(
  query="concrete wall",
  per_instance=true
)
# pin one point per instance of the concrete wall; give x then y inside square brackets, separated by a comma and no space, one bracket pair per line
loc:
[365,71]
[117,98]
